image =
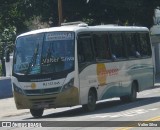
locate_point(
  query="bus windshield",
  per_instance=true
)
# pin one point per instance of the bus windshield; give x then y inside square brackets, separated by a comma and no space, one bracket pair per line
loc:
[44,53]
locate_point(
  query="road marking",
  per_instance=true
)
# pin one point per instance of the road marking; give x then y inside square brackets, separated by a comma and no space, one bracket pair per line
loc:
[153,109]
[125,113]
[146,93]
[157,118]
[157,84]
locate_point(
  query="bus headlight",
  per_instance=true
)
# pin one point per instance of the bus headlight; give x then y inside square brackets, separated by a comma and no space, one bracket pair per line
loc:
[68,85]
[17,89]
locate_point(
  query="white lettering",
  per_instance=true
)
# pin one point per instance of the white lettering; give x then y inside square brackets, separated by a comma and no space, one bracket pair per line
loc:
[59,36]
[142,124]
[34,125]
[153,125]
[55,60]
[67,59]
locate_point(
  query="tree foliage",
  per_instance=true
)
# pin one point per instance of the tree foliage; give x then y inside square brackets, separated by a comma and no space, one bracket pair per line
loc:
[25,15]
[19,12]
[17,16]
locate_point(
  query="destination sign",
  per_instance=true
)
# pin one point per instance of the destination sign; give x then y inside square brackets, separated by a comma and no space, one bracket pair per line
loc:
[54,36]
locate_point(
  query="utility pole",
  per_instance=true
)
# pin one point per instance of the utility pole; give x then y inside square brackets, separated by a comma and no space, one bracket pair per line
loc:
[60,12]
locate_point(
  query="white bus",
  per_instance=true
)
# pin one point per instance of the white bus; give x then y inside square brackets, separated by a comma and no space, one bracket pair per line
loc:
[80,65]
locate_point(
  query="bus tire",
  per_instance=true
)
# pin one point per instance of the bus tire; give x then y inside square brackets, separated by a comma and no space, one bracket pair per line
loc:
[133,96]
[37,113]
[91,105]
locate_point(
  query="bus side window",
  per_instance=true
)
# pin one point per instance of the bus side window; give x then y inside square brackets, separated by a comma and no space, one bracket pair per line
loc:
[131,44]
[85,51]
[117,46]
[145,44]
[101,47]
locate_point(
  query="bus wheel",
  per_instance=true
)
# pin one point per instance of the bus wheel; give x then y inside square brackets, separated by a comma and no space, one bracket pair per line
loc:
[133,96]
[36,112]
[91,102]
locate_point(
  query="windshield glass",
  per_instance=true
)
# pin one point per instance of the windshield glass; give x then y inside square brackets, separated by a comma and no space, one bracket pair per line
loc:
[44,53]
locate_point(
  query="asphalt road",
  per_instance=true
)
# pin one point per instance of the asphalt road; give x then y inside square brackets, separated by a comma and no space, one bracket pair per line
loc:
[113,112]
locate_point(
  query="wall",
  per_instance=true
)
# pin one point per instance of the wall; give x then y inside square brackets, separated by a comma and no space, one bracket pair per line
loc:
[5,87]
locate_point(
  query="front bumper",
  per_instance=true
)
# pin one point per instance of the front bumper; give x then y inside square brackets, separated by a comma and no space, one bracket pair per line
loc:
[67,98]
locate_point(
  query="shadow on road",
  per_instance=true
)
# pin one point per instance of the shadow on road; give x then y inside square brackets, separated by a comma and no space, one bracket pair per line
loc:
[104,107]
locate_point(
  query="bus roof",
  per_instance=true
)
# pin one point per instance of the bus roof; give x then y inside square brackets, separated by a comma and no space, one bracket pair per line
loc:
[85,27]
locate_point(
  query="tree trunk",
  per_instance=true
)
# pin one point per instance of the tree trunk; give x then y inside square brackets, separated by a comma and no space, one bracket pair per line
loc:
[3,67]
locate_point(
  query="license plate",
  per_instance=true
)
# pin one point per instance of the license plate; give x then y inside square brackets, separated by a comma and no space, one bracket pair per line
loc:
[43,105]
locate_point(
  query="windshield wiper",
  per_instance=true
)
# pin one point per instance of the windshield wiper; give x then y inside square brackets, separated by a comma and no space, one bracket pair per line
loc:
[33,59]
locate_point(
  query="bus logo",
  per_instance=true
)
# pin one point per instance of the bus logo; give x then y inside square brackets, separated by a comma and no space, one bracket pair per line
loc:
[101,73]
[33,85]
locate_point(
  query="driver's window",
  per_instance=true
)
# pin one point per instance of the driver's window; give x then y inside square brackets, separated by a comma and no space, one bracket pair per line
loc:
[85,51]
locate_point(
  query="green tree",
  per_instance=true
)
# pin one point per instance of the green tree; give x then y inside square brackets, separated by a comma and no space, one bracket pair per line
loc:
[7,38]
[132,12]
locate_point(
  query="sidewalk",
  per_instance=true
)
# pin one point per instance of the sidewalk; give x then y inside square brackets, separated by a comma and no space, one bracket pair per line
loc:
[8,108]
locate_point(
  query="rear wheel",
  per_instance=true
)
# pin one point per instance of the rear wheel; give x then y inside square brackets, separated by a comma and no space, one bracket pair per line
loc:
[133,96]
[36,112]
[91,105]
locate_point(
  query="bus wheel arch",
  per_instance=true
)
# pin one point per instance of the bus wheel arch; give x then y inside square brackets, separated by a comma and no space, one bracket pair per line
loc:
[134,90]
[136,85]
[92,98]
[133,95]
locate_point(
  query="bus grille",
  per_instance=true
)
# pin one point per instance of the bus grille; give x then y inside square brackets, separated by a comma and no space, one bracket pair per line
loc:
[42,101]
[37,92]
